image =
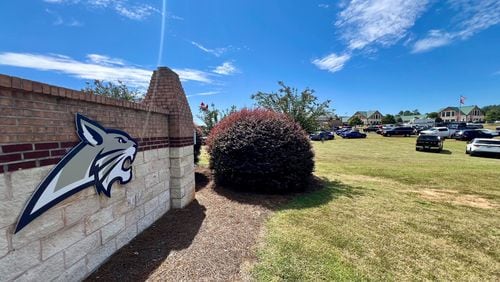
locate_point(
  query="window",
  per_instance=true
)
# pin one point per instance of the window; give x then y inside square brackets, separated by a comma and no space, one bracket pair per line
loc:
[452,114]
[442,114]
[447,114]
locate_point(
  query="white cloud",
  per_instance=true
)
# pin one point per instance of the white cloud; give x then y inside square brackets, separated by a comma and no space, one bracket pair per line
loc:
[208,93]
[383,22]
[105,60]
[473,16]
[227,68]
[98,67]
[435,38]
[324,6]
[332,62]
[58,20]
[135,11]
[216,52]
[139,12]
[193,75]
[364,25]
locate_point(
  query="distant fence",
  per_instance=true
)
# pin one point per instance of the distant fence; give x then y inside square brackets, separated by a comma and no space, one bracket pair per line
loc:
[72,238]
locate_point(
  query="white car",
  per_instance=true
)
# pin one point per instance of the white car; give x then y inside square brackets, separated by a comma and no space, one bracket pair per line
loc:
[483,146]
[442,132]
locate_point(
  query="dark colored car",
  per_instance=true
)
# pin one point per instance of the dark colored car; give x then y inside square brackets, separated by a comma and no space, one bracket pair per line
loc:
[498,128]
[322,135]
[470,134]
[429,143]
[404,131]
[343,130]
[371,128]
[353,134]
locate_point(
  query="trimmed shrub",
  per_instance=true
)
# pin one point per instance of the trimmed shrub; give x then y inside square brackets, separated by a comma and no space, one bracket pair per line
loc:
[197,145]
[260,150]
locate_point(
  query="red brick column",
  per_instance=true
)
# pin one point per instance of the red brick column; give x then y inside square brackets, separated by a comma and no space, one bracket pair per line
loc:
[166,92]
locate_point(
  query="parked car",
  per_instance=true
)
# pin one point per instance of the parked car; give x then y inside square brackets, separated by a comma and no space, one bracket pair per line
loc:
[342,130]
[321,135]
[480,146]
[354,134]
[498,128]
[385,127]
[429,143]
[469,134]
[371,128]
[489,131]
[404,131]
[443,132]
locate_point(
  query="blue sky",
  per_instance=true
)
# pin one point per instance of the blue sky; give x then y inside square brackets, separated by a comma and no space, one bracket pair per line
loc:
[363,55]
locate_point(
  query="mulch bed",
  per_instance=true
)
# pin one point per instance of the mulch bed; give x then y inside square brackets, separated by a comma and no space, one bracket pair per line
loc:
[213,238]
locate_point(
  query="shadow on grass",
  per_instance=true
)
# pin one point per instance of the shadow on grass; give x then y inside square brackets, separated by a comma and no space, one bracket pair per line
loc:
[323,192]
[319,192]
[146,252]
[443,152]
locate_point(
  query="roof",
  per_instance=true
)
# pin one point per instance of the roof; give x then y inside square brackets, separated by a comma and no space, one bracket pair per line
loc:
[412,117]
[367,114]
[464,109]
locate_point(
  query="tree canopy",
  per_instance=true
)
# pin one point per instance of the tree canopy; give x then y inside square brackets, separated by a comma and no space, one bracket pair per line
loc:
[409,113]
[491,113]
[210,116]
[355,120]
[304,107]
[112,90]
[388,119]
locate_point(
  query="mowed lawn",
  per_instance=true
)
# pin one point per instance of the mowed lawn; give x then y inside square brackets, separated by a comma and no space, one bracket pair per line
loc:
[389,213]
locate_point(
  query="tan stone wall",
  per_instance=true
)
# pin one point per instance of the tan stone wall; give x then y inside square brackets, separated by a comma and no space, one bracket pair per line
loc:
[73,238]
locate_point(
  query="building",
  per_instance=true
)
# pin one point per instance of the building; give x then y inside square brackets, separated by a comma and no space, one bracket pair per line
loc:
[369,117]
[464,113]
[417,120]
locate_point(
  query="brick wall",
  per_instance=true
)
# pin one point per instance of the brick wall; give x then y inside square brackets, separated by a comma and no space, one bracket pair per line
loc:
[70,240]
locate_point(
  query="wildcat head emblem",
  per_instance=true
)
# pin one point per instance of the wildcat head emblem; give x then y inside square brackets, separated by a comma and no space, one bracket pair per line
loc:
[102,157]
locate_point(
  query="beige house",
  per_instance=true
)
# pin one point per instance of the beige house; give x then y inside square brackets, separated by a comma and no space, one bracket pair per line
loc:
[464,113]
[369,117]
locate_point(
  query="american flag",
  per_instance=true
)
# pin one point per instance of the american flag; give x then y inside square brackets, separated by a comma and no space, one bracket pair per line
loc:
[462,100]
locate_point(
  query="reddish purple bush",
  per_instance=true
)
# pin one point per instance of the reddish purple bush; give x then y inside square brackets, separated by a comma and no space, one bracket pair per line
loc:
[260,150]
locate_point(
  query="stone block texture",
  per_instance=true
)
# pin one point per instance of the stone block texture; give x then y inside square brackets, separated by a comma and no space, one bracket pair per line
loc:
[76,236]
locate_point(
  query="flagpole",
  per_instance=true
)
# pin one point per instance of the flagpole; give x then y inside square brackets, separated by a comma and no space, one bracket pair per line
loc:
[460,109]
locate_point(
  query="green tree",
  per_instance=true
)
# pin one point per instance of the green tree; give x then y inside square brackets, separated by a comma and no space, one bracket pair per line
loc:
[304,108]
[409,113]
[492,115]
[433,115]
[399,119]
[112,90]
[210,116]
[355,120]
[388,119]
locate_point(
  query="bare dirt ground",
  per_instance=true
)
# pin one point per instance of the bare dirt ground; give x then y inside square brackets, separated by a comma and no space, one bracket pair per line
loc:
[213,238]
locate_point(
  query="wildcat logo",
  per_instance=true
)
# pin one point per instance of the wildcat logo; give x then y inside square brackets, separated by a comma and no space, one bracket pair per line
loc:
[102,157]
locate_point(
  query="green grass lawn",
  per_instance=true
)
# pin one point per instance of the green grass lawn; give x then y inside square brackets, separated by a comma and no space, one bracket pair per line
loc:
[389,213]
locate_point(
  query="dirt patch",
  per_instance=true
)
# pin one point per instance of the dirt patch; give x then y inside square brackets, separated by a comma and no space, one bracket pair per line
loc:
[453,197]
[213,238]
